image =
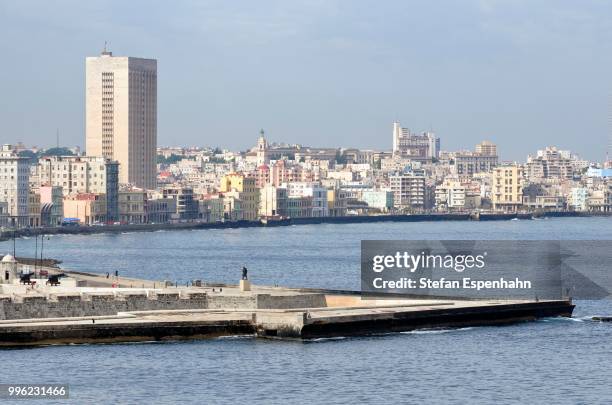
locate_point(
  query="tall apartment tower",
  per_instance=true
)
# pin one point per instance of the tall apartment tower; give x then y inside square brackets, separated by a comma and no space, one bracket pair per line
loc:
[121,115]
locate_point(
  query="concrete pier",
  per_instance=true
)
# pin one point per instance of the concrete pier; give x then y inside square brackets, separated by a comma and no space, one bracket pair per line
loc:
[94,311]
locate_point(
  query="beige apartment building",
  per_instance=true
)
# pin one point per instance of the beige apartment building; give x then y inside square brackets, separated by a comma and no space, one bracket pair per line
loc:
[121,115]
[83,175]
[507,188]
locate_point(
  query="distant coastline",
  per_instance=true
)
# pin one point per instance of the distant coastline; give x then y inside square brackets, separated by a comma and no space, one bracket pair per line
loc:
[70,230]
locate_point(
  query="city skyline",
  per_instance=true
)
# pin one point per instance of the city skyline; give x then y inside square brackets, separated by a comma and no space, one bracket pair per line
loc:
[523,79]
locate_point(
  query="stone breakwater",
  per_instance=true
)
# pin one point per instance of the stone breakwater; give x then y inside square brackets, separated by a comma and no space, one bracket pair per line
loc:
[88,304]
[91,308]
[97,318]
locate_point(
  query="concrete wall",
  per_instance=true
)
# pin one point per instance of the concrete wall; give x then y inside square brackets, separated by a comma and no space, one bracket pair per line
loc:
[267,301]
[232,301]
[75,305]
[61,305]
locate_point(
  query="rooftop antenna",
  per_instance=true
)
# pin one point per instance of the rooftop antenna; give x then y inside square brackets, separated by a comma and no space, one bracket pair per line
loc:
[106,51]
[57,138]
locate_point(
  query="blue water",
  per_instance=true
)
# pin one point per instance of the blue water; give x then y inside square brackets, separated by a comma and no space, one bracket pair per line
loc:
[549,361]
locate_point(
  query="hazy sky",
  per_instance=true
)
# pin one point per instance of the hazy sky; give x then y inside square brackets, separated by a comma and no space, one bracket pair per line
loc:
[523,74]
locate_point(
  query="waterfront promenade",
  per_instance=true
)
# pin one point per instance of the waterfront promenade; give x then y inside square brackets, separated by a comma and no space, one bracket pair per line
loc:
[73,230]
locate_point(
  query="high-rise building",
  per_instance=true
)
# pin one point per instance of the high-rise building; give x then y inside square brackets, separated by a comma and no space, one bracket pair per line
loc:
[507,187]
[121,115]
[415,147]
[14,174]
[408,190]
[486,148]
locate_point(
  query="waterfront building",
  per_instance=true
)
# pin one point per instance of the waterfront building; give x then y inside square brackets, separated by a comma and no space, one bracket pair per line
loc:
[314,191]
[186,206]
[451,194]
[4,215]
[133,206]
[211,208]
[232,207]
[243,188]
[382,200]
[52,205]
[507,187]
[600,199]
[578,198]
[408,191]
[545,203]
[33,209]
[273,201]
[121,115]
[14,187]
[299,207]
[160,210]
[336,202]
[88,208]
[415,147]
[83,175]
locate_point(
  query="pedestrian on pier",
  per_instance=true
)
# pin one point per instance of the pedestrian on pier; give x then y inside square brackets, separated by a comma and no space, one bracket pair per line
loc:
[244,273]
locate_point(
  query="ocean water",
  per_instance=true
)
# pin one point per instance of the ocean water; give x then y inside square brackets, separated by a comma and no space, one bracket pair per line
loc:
[548,361]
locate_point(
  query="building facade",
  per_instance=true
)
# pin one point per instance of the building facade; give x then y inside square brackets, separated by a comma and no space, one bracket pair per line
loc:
[408,191]
[88,208]
[83,175]
[423,147]
[121,115]
[507,188]
[243,188]
[14,186]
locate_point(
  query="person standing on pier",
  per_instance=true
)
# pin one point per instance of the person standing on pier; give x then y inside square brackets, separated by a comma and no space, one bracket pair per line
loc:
[244,273]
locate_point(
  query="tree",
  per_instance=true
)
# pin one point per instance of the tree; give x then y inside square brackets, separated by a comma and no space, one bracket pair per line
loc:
[170,159]
[61,151]
[30,155]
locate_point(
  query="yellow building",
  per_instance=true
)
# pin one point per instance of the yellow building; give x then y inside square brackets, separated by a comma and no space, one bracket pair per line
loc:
[245,190]
[336,202]
[507,188]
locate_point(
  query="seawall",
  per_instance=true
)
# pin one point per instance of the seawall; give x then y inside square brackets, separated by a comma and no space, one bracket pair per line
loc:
[74,230]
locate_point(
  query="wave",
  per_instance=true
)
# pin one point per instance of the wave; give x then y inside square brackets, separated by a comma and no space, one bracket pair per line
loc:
[325,339]
[565,319]
[434,331]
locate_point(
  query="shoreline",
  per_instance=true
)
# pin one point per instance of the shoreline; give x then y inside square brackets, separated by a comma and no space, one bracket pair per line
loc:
[74,230]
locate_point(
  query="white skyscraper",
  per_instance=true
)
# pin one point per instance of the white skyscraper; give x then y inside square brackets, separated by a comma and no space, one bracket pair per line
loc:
[121,115]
